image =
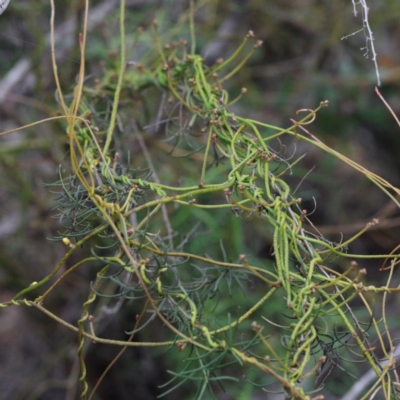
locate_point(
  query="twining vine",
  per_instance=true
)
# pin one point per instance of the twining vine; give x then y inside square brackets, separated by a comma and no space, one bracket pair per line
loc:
[109,198]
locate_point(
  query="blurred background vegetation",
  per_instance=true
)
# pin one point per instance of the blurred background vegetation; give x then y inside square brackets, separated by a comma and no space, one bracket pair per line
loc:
[303,61]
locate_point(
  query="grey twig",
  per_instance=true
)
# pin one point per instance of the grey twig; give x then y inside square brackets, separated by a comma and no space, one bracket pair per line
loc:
[369,36]
[3,5]
[20,72]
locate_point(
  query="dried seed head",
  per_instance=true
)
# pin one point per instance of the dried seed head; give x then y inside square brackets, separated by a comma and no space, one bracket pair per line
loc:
[181,346]
[362,271]
[255,326]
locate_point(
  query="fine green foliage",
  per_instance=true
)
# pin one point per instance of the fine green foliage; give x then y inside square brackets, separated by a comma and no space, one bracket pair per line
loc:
[141,223]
